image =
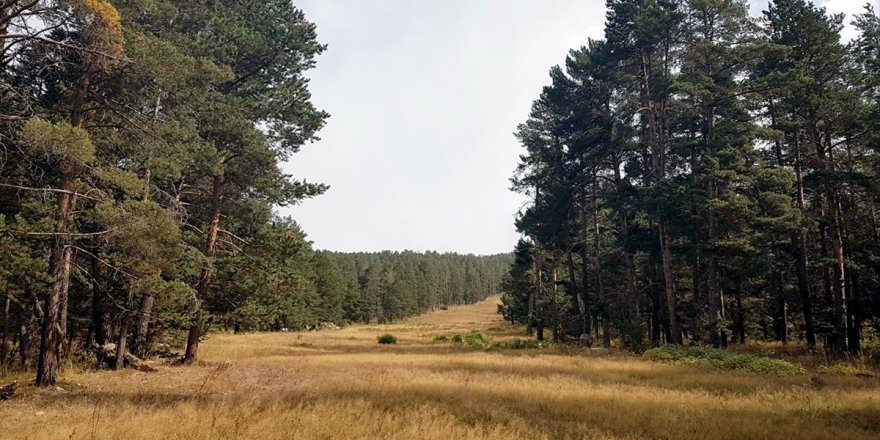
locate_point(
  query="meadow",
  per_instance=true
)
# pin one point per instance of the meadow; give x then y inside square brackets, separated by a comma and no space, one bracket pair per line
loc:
[343,384]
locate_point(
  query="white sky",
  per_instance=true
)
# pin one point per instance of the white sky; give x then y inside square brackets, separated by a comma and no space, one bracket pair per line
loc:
[424,97]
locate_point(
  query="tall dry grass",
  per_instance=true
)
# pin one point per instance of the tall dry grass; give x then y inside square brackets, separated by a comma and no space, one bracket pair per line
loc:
[342,384]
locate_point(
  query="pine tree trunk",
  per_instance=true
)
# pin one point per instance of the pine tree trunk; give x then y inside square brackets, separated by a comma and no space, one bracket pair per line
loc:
[52,331]
[572,290]
[656,317]
[98,326]
[27,322]
[122,344]
[780,320]
[838,337]
[52,334]
[606,333]
[714,297]
[7,308]
[669,286]
[799,244]
[141,345]
[839,330]
[701,319]
[629,263]
[530,319]
[539,293]
[203,287]
[854,313]
[556,320]
[585,290]
[800,249]
[740,317]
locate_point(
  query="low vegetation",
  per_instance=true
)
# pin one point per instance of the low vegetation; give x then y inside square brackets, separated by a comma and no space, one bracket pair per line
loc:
[341,384]
[482,340]
[723,359]
[387,339]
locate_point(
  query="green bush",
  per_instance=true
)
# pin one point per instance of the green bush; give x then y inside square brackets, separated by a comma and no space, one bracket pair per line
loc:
[475,339]
[472,339]
[387,339]
[723,359]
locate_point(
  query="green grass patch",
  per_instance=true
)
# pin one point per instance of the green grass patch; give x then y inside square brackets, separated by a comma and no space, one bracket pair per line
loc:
[714,357]
[481,340]
[473,339]
[847,369]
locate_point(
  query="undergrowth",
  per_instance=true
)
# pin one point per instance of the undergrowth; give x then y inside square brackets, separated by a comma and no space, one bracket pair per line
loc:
[723,359]
[481,340]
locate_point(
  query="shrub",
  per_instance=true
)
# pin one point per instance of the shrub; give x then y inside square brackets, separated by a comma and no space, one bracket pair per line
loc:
[723,359]
[472,339]
[475,339]
[847,369]
[387,339]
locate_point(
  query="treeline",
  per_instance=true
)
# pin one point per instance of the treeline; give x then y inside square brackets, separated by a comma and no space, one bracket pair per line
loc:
[388,286]
[702,176]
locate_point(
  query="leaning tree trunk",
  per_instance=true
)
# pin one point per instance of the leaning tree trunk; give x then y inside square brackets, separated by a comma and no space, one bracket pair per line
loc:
[202,289]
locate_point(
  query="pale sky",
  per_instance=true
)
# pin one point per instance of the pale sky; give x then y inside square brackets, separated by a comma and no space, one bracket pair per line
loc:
[424,97]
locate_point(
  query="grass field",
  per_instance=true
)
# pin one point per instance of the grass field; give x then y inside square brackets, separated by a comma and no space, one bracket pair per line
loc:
[343,384]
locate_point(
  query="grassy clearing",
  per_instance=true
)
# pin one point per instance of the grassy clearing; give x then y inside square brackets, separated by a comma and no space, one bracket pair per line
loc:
[342,384]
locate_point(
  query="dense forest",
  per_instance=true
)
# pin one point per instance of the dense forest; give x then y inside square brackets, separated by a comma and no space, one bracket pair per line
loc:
[703,176]
[140,144]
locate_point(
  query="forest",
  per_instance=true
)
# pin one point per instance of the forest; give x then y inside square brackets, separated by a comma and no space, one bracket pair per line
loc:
[140,152]
[699,176]
[692,217]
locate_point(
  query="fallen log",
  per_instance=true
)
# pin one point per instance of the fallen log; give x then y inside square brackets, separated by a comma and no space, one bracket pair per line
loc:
[6,391]
[137,363]
[107,357]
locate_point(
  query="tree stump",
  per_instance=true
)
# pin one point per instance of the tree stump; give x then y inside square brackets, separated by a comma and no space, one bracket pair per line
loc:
[6,391]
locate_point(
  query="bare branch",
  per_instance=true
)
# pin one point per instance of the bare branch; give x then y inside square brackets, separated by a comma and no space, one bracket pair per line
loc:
[54,190]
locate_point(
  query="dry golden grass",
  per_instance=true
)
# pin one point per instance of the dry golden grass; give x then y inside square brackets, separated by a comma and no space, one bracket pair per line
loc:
[342,384]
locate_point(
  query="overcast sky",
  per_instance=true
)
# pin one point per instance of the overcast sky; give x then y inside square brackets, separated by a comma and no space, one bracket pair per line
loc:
[424,97]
